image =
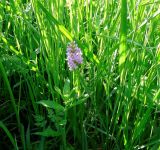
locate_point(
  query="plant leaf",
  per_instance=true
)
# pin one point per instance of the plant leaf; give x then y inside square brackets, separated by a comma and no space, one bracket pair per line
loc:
[48,133]
[51,104]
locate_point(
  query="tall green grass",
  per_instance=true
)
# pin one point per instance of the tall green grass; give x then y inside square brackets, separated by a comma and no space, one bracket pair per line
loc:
[112,101]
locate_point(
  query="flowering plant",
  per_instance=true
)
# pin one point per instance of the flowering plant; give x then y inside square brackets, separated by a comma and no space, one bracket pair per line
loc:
[74,56]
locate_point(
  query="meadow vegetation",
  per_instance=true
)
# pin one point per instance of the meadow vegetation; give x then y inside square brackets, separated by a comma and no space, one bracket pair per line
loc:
[111,101]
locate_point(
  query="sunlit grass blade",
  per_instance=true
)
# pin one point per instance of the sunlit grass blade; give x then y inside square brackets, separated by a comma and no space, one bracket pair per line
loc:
[53,21]
[123,39]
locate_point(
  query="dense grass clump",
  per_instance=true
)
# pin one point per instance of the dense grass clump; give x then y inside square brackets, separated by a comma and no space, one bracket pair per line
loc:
[106,97]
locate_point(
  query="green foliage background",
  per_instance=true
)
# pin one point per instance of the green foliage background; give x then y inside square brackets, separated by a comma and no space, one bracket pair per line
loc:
[112,101]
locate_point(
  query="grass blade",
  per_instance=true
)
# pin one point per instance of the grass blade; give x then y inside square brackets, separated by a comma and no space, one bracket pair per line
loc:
[2,125]
[123,39]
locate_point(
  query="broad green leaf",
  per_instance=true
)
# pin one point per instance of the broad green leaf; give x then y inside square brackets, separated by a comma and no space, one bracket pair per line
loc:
[66,88]
[51,104]
[48,133]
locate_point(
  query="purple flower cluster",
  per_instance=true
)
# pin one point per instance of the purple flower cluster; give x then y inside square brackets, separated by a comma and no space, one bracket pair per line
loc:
[74,56]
